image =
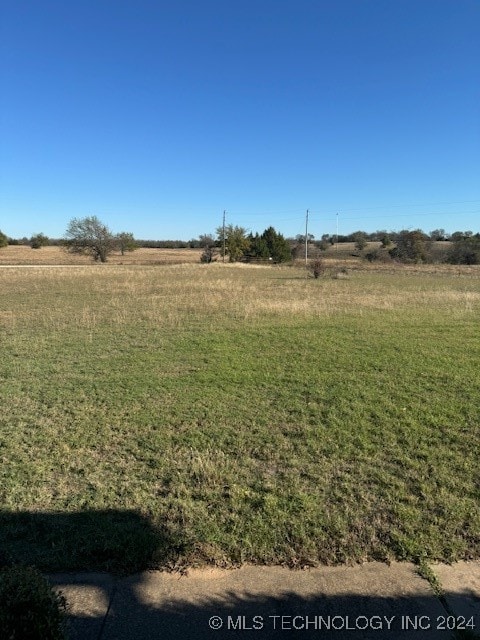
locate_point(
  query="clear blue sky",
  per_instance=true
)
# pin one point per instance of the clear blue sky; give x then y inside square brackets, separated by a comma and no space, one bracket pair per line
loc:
[156,116]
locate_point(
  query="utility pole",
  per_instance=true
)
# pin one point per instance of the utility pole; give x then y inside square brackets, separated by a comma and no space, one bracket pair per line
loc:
[336,246]
[306,240]
[223,235]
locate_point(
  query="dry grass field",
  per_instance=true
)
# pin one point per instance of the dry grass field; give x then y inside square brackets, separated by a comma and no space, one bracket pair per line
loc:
[50,255]
[340,255]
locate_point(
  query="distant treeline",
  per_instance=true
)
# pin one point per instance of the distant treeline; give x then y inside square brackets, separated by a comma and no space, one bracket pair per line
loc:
[198,243]
[149,244]
[463,247]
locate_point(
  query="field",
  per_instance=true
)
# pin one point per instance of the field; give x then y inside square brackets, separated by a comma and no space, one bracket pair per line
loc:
[182,414]
[23,254]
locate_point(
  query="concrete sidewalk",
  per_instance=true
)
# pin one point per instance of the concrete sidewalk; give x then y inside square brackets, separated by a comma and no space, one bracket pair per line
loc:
[361,602]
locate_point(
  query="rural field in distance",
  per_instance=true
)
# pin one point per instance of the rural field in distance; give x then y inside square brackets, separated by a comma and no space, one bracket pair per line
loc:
[241,413]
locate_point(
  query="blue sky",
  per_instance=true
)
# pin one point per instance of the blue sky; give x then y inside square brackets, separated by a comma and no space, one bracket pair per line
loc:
[156,116]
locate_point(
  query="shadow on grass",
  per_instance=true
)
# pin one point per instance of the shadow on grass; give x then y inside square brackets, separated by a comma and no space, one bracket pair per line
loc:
[109,540]
[161,605]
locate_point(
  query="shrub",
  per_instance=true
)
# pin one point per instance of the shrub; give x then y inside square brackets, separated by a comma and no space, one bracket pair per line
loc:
[209,254]
[360,239]
[378,255]
[316,267]
[386,241]
[38,241]
[465,251]
[3,240]
[29,608]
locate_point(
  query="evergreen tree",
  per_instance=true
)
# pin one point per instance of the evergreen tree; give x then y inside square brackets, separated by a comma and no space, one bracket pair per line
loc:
[278,248]
[258,247]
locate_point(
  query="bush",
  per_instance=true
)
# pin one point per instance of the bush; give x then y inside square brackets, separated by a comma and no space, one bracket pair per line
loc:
[316,267]
[360,239]
[465,251]
[386,241]
[378,255]
[38,241]
[209,254]
[3,240]
[29,608]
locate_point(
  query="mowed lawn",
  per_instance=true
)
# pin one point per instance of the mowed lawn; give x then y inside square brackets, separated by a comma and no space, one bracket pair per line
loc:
[174,415]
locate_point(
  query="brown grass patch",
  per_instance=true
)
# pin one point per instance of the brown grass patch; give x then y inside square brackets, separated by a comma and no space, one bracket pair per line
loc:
[175,294]
[25,255]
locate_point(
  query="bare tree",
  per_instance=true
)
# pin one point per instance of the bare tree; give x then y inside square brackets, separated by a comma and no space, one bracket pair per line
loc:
[91,237]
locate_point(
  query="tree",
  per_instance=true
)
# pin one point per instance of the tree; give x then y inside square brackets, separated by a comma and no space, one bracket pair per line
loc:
[278,248]
[3,240]
[91,237]
[38,241]
[236,241]
[360,239]
[258,247]
[205,240]
[438,234]
[300,237]
[411,246]
[126,242]
[465,250]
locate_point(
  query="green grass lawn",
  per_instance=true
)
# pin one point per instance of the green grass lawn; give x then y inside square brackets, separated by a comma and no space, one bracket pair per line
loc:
[239,414]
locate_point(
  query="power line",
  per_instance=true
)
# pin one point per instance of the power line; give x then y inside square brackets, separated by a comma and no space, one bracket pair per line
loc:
[403,206]
[268,213]
[404,215]
[368,208]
